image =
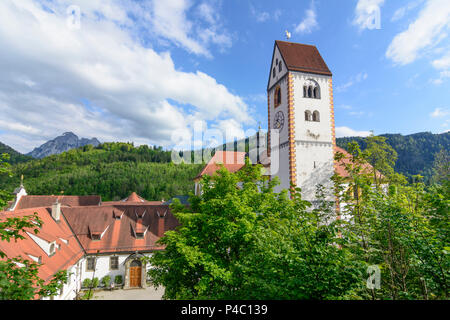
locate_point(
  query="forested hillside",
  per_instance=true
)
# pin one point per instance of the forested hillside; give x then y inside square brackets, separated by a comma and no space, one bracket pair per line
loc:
[112,170]
[416,152]
[14,156]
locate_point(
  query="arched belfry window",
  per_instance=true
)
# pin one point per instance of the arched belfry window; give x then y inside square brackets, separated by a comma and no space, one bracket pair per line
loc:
[316,93]
[308,115]
[311,89]
[280,67]
[273,72]
[277,97]
[316,116]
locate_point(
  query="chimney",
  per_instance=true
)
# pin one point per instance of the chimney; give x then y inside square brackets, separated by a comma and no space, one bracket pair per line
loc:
[56,211]
[161,218]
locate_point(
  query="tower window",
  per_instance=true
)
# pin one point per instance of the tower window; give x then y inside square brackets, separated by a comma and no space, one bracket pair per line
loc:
[316,116]
[277,97]
[274,71]
[316,93]
[311,89]
[280,67]
[308,115]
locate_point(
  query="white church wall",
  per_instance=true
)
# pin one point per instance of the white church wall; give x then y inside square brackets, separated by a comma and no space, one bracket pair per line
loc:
[102,267]
[314,141]
[283,147]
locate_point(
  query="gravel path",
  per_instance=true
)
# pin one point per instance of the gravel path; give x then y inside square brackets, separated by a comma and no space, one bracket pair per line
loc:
[132,294]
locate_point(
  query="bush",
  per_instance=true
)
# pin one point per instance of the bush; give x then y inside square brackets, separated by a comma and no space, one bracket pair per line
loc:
[95,282]
[87,283]
[106,281]
[118,279]
[87,295]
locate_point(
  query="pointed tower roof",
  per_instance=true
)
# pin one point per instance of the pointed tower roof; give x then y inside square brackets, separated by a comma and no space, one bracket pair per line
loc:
[133,197]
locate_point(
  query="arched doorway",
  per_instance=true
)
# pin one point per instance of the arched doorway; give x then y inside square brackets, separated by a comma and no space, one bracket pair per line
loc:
[135,274]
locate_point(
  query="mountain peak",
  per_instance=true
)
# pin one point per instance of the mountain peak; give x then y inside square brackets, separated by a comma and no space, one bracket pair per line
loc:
[65,142]
[69,134]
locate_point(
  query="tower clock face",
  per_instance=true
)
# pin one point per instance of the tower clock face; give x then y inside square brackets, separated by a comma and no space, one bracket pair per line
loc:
[278,122]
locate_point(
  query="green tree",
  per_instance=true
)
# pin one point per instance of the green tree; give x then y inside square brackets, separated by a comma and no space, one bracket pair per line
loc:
[381,157]
[19,278]
[404,231]
[441,166]
[249,242]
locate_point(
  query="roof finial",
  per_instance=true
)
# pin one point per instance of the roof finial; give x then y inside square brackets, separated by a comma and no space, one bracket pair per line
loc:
[288,35]
[21,181]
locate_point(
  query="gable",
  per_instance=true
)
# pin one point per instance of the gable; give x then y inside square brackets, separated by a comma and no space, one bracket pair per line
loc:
[275,73]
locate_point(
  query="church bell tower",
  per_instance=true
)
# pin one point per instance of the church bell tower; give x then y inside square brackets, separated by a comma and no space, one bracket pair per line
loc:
[300,107]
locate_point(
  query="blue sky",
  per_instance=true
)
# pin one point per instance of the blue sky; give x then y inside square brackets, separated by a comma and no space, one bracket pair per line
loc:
[143,70]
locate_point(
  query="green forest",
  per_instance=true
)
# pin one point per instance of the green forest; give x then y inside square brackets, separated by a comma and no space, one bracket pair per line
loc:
[112,170]
[416,152]
[14,156]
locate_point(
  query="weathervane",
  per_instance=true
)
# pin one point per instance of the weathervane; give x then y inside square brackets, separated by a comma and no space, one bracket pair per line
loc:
[288,35]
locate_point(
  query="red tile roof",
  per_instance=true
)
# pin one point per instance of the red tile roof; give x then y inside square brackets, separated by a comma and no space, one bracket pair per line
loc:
[231,160]
[26,202]
[303,57]
[340,170]
[119,237]
[133,198]
[66,256]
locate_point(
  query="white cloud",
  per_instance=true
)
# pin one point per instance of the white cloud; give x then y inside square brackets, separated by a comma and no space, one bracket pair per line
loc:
[168,19]
[402,11]
[136,93]
[309,23]
[425,32]
[348,132]
[354,80]
[442,63]
[439,113]
[366,13]
[263,16]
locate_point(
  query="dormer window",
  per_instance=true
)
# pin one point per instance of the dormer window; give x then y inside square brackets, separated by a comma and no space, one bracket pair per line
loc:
[52,249]
[96,236]
[117,215]
[140,235]
[97,233]
[140,229]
